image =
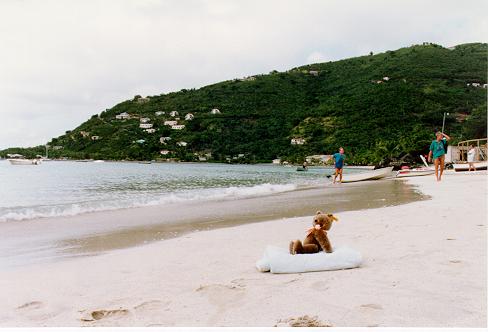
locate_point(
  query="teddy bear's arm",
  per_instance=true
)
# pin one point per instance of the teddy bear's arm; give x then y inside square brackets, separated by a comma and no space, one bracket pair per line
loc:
[323,240]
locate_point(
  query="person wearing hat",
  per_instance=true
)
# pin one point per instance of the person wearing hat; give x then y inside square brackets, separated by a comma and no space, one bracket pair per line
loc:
[438,152]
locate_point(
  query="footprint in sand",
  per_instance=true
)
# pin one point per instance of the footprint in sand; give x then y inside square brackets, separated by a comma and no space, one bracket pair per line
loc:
[31,305]
[371,306]
[101,314]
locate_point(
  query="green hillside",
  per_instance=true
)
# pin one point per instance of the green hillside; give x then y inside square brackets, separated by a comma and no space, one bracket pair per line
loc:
[344,103]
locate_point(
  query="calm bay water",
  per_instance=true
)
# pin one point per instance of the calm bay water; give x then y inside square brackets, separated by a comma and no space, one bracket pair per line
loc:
[70,188]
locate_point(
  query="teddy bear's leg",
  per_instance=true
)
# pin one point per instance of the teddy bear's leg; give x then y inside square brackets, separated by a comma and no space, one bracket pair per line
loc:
[310,248]
[324,242]
[296,247]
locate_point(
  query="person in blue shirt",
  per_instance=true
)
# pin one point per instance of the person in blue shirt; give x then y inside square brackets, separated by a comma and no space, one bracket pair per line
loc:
[339,164]
[438,152]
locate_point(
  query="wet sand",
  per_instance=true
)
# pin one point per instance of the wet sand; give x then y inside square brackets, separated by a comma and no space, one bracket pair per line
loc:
[37,241]
[424,265]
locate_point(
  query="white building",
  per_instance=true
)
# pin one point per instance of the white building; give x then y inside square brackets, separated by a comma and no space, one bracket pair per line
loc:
[485,85]
[177,127]
[297,141]
[144,120]
[202,158]
[189,117]
[163,140]
[314,72]
[122,116]
[476,85]
[84,133]
[215,111]
[57,147]
[386,78]
[277,161]
[150,130]
[170,123]
[142,100]
[173,113]
[164,152]
[95,138]
[158,113]
[181,143]
[145,125]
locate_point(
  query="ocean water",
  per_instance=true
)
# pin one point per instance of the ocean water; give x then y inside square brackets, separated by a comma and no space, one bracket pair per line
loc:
[65,188]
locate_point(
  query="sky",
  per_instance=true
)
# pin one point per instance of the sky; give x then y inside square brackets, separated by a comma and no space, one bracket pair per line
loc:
[63,61]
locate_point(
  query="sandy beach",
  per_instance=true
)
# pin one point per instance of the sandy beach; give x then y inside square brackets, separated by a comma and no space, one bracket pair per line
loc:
[424,265]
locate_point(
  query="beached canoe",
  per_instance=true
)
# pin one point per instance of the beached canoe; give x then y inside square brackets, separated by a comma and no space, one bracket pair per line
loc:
[479,165]
[366,176]
[25,161]
[420,171]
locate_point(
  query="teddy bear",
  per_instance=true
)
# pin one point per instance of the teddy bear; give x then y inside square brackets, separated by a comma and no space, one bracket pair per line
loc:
[316,239]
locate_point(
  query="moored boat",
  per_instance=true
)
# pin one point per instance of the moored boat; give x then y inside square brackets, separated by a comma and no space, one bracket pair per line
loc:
[22,161]
[366,176]
[420,171]
[478,165]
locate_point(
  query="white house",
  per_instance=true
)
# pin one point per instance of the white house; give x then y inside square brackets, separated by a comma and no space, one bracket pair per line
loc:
[189,117]
[485,85]
[277,161]
[476,85]
[145,125]
[122,116]
[140,141]
[386,78]
[202,158]
[215,111]
[158,113]
[314,72]
[173,113]
[164,152]
[57,147]
[142,100]
[144,120]
[297,141]
[181,143]
[379,82]
[150,130]
[95,138]
[177,127]
[84,133]
[170,123]
[163,140]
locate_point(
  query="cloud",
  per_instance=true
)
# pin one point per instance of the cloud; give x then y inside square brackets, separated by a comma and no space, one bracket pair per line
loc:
[64,60]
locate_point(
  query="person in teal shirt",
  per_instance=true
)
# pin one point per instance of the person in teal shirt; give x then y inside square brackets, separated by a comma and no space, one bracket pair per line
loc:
[437,152]
[339,164]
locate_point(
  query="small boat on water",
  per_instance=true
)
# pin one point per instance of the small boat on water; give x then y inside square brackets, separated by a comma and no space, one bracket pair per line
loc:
[366,176]
[22,161]
[302,169]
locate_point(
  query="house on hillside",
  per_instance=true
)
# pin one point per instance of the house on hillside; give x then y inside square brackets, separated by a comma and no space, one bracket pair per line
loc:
[276,161]
[57,147]
[163,140]
[170,123]
[476,85]
[173,113]
[386,78]
[485,86]
[140,141]
[84,133]
[122,116]
[95,138]
[150,130]
[164,152]
[144,120]
[313,72]
[215,111]
[297,141]
[189,117]
[145,125]
[181,143]
[142,100]
[158,113]
[177,127]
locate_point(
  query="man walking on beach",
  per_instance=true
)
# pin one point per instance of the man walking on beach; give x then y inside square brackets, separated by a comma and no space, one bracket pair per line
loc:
[339,164]
[438,151]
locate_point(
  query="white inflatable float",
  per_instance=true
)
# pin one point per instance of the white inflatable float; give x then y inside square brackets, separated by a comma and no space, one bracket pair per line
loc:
[279,260]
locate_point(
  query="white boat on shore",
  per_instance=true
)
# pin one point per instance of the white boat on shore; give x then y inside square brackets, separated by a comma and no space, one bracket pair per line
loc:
[478,165]
[420,171]
[366,176]
[22,161]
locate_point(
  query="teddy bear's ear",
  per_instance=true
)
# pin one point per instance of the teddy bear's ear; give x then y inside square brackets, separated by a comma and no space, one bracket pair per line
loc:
[318,212]
[333,217]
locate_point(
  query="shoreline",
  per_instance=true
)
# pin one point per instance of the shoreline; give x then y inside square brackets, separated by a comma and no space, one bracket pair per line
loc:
[424,265]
